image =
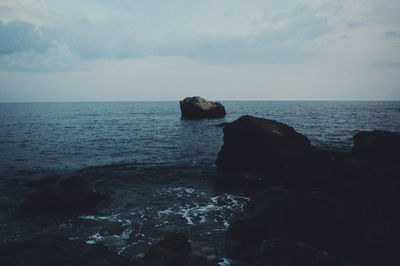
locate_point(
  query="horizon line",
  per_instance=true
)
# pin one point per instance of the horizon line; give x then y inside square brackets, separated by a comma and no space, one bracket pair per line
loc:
[231,100]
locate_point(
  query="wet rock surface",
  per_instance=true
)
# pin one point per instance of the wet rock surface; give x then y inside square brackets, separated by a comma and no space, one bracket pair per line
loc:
[174,249]
[260,145]
[285,253]
[72,195]
[255,150]
[224,124]
[342,206]
[379,147]
[50,250]
[199,108]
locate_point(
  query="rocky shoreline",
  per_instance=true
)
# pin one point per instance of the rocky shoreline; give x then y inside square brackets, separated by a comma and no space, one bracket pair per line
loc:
[309,206]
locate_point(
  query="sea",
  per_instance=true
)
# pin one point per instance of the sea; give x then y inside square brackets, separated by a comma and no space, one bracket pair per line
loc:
[157,169]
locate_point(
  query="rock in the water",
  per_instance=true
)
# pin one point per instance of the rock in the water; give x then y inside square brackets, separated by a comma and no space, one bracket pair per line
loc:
[379,147]
[53,250]
[253,144]
[199,108]
[72,195]
[224,124]
[172,250]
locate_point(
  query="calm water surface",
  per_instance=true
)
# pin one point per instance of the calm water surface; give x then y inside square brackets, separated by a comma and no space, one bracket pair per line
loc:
[36,136]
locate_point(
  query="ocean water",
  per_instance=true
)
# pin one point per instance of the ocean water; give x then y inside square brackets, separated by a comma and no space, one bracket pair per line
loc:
[157,168]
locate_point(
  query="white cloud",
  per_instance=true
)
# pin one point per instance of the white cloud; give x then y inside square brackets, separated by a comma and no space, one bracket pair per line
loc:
[215,31]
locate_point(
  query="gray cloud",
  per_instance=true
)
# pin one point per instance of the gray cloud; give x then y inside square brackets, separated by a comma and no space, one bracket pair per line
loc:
[225,32]
[393,34]
[282,38]
[20,36]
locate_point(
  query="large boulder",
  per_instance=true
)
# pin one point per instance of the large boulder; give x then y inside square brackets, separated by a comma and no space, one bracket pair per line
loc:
[378,147]
[260,146]
[73,195]
[49,250]
[199,108]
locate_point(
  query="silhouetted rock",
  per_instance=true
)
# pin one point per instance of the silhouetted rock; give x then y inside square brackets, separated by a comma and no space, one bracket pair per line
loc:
[256,144]
[287,215]
[172,250]
[45,181]
[356,224]
[204,255]
[259,147]
[344,203]
[290,253]
[379,147]
[52,250]
[199,108]
[72,195]
[224,124]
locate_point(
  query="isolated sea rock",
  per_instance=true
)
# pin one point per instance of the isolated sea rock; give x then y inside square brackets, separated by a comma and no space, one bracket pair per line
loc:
[378,147]
[72,195]
[199,108]
[260,146]
[48,250]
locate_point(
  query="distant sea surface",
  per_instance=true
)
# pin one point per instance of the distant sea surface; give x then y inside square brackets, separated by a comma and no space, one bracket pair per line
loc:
[41,136]
[156,167]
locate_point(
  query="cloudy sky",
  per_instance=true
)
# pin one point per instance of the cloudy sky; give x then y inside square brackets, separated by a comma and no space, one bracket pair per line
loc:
[98,50]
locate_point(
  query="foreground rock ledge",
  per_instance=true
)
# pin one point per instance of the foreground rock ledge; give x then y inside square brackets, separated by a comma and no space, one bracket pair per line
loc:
[199,108]
[311,207]
[381,148]
[73,195]
[51,250]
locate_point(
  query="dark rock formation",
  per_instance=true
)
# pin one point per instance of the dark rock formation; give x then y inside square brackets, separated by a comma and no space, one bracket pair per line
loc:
[176,250]
[52,250]
[199,108]
[345,204]
[253,144]
[72,195]
[286,253]
[287,215]
[41,182]
[363,232]
[173,250]
[255,151]
[379,147]
[224,124]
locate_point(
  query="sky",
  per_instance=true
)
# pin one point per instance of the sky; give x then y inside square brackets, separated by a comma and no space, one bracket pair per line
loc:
[151,50]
